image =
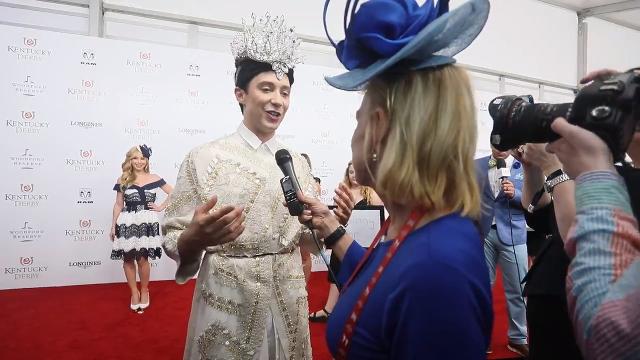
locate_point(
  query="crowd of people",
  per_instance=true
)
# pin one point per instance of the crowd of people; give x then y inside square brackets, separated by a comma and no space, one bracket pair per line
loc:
[422,289]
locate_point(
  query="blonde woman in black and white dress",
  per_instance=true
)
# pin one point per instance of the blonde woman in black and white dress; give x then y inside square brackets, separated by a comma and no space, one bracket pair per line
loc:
[135,231]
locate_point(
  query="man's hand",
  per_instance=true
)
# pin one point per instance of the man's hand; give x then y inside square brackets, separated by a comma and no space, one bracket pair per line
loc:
[579,150]
[212,228]
[508,188]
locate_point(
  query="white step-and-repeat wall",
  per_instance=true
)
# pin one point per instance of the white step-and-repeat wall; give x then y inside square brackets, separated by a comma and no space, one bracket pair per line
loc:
[71,106]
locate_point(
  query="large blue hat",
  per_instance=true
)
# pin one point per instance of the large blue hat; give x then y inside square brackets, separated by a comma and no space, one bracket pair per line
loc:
[385,35]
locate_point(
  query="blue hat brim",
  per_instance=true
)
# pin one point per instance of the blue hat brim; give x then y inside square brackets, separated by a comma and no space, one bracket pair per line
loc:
[435,45]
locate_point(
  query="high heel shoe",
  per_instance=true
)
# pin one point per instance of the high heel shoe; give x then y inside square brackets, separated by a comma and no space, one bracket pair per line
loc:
[145,305]
[134,307]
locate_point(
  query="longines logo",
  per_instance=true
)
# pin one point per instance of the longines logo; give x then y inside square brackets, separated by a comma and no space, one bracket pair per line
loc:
[85,196]
[28,86]
[26,269]
[27,197]
[26,160]
[29,50]
[193,70]
[26,233]
[85,163]
[84,232]
[85,264]
[28,123]
[191,132]
[88,57]
[143,63]
[141,130]
[192,97]
[86,124]
[87,91]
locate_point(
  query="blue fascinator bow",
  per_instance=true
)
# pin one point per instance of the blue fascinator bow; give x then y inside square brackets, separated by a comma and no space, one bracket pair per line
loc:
[145,150]
[399,34]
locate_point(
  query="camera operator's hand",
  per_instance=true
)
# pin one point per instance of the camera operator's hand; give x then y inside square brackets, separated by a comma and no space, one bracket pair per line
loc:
[598,74]
[579,150]
[536,155]
[508,188]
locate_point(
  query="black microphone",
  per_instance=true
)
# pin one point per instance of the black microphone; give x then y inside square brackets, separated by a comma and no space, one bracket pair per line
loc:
[503,171]
[289,182]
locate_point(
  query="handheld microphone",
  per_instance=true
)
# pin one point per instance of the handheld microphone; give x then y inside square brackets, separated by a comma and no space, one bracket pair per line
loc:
[503,171]
[289,182]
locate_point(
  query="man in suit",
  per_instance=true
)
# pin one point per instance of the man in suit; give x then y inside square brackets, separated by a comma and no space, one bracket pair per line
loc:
[505,237]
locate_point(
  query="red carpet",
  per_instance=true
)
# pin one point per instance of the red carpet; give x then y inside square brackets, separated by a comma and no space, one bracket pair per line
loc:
[93,322]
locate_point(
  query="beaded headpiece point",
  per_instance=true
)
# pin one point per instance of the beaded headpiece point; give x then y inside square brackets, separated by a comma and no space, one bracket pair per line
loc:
[268,40]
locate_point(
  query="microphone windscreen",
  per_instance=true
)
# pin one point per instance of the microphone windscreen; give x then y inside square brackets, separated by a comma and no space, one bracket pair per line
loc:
[282,157]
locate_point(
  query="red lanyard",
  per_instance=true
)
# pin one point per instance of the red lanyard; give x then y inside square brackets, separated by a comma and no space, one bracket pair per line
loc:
[349,327]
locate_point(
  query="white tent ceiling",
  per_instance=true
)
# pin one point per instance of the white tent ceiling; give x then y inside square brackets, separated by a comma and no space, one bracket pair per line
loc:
[625,13]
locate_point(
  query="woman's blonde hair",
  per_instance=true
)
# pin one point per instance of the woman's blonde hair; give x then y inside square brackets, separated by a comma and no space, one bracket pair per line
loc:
[128,176]
[365,191]
[429,148]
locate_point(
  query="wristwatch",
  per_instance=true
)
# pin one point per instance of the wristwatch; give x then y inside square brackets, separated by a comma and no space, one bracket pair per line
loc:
[554,179]
[333,238]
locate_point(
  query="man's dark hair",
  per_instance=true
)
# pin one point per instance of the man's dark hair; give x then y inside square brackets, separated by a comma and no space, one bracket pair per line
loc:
[247,69]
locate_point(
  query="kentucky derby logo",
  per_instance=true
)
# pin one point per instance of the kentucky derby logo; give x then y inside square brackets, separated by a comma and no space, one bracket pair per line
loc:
[86,153]
[26,269]
[88,91]
[84,232]
[26,197]
[143,63]
[29,41]
[192,97]
[86,163]
[142,131]
[28,115]
[26,261]
[27,123]
[28,51]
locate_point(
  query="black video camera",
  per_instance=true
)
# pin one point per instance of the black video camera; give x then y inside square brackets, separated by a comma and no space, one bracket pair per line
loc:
[609,108]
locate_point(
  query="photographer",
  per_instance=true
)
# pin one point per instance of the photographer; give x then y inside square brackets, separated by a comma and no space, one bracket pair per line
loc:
[603,284]
[550,330]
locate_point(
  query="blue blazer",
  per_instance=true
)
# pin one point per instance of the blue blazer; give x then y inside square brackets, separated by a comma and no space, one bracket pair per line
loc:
[500,205]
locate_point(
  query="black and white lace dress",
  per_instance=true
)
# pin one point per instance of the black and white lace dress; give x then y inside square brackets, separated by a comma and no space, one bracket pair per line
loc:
[137,227]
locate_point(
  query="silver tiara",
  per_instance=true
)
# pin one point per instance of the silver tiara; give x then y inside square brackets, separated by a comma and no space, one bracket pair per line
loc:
[268,40]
